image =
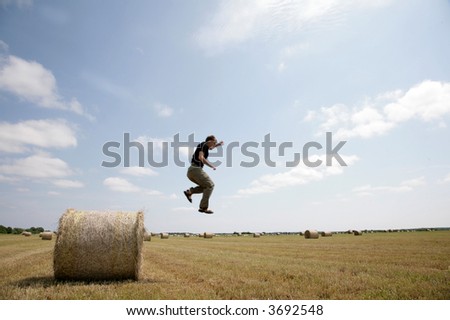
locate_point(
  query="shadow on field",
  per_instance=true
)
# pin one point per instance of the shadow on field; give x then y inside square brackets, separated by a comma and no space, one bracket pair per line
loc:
[45,282]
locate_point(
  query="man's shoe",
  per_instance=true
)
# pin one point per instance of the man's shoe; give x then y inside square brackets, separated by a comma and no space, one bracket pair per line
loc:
[207,211]
[188,196]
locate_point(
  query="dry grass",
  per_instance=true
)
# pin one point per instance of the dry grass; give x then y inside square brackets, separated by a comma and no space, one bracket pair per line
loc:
[374,266]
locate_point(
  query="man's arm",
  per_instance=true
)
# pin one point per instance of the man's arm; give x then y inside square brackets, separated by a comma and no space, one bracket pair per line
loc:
[219,144]
[201,157]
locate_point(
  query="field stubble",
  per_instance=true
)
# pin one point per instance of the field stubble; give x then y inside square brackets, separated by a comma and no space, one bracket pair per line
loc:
[412,265]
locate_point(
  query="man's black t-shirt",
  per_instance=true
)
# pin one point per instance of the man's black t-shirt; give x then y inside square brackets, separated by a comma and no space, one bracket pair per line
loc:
[196,156]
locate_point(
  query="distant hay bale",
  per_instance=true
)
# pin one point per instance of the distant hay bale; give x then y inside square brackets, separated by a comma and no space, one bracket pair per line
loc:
[311,234]
[357,233]
[208,235]
[164,235]
[256,235]
[94,245]
[147,236]
[26,234]
[187,235]
[326,233]
[46,235]
[40,234]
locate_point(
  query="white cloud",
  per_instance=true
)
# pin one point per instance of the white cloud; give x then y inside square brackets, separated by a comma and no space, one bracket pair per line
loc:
[159,146]
[7,179]
[163,111]
[153,192]
[237,21]
[413,183]
[18,137]
[138,171]
[36,166]
[296,176]
[32,82]
[405,186]
[123,185]
[426,101]
[120,184]
[446,179]
[63,183]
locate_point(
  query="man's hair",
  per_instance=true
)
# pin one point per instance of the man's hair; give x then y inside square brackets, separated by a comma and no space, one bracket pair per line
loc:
[209,138]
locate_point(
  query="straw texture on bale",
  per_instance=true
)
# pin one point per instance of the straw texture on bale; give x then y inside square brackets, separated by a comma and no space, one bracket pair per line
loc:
[93,245]
[46,235]
[311,234]
[326,233]
[164,235]
[208,235]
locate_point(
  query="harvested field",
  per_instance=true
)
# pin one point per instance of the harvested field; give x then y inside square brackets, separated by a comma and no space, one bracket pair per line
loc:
[412,265]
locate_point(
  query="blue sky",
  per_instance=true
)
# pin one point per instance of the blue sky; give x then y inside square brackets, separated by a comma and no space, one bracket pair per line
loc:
[75,75]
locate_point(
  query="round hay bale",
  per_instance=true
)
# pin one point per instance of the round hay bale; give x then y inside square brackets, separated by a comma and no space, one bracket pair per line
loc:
[164,235]
[357,233]
[256,235]
[46,235]
[94,245]
[208,235]
[26,233]
[147,236]
[326,233]
[311,234]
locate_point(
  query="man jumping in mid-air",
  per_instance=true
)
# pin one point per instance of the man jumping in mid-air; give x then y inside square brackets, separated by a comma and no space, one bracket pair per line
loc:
[196,174]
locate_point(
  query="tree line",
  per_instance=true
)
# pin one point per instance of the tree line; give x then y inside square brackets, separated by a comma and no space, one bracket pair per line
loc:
[10,230]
